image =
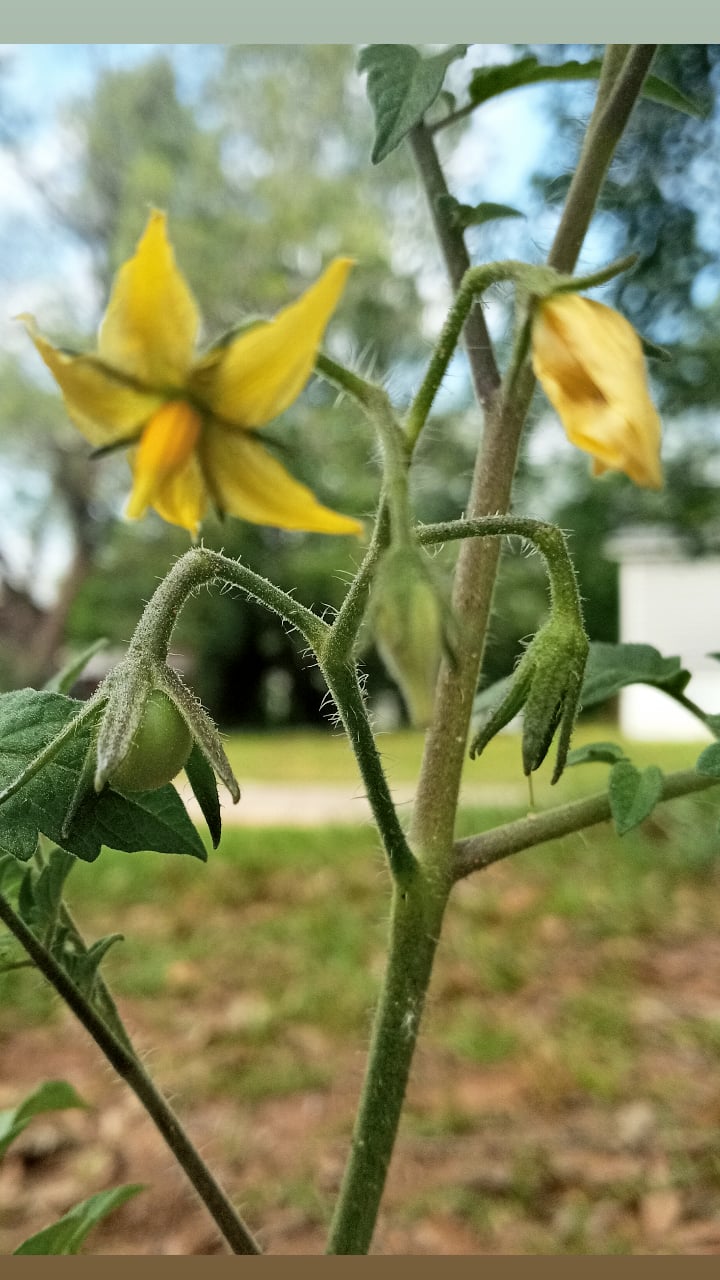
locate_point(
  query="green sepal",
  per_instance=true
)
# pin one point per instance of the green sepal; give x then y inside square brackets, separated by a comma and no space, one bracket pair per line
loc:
[202,780]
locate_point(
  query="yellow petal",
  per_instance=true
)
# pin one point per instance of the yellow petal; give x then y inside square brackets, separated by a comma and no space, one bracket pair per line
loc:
[151,322]
[262,372]
[104,407]
[166,446]
[245,480]
[590,364]
[182,498]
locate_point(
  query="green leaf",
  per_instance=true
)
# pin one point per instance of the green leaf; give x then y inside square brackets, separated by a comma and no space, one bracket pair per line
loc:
[708,761]
[611,667]
[41,892]
[29,720]
[596,753]
[633,794]
[202,780]
[488,82]
[67,1235]
[402,86]
[474,215]
[54,1095]
[63,680]
[713,724]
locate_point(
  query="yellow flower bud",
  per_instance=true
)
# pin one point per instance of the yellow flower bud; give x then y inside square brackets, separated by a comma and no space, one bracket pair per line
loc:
[589,362]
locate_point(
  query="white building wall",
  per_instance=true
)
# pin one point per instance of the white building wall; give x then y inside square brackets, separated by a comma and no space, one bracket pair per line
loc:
[674,605]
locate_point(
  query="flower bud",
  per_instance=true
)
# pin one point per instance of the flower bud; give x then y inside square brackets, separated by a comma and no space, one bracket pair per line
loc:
[589,362]
[546,687]
[407,622]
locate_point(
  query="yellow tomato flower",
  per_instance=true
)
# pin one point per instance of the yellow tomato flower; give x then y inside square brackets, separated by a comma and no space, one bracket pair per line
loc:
[589,362]
[191,420]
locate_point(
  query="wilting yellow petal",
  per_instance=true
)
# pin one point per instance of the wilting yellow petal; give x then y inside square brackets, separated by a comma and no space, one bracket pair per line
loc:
[262,372]
[166,445]
[151,322]
[589,361]
[104,407]
[245,480]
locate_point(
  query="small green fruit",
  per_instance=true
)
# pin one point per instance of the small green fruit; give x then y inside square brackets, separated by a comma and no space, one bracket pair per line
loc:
[158,751]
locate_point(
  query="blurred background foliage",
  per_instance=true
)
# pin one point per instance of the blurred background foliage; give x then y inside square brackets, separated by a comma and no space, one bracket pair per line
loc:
[264,170]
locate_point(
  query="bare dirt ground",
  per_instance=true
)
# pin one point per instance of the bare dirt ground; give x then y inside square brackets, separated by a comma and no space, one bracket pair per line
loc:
[507,1159]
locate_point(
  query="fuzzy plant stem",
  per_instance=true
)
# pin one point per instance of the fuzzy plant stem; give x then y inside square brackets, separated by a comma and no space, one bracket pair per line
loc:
[436,801]
[420,901]
[473,853]
[417,912]
[131,1070]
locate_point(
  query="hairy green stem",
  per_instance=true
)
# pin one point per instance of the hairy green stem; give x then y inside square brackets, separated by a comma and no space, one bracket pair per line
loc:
[342,681]
[416,921]
[547,538]
[199,567]
[396,454]
[620,87]
[436,802]
[127,1065]
[478,851]
[340,642]
[414,934]
[483,368]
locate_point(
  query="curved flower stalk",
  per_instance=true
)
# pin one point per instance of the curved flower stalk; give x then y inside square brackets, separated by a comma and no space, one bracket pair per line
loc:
[190,420]
[589,362]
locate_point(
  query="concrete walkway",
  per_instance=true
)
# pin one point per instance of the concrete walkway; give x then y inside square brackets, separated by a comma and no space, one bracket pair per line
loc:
[305,804]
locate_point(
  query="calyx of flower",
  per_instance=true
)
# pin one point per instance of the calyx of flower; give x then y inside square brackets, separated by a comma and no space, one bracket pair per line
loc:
[139,686]
[546,687]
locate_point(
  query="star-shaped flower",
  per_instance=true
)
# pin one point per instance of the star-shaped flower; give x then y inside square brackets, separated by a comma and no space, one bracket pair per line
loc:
[191,420]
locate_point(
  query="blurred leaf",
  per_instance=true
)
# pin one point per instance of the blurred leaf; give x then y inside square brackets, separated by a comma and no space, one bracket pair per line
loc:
[29,720]
[611,667]
[402,86]
[469,215]
[488,82]
[202,780]
[67,1235]
[596,753]
[633,794]
[63,681]
[708,762]
[54,1095]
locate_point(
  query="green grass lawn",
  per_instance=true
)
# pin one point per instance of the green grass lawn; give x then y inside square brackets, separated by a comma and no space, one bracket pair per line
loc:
[324,755]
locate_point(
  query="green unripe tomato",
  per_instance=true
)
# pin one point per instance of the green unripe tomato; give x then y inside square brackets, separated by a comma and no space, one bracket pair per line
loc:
[159,749]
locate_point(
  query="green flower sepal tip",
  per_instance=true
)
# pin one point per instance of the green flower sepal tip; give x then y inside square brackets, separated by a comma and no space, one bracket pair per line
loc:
[546,687]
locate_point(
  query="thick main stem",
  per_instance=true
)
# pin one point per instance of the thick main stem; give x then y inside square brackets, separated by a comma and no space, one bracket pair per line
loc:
[439,785]
[414,930]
